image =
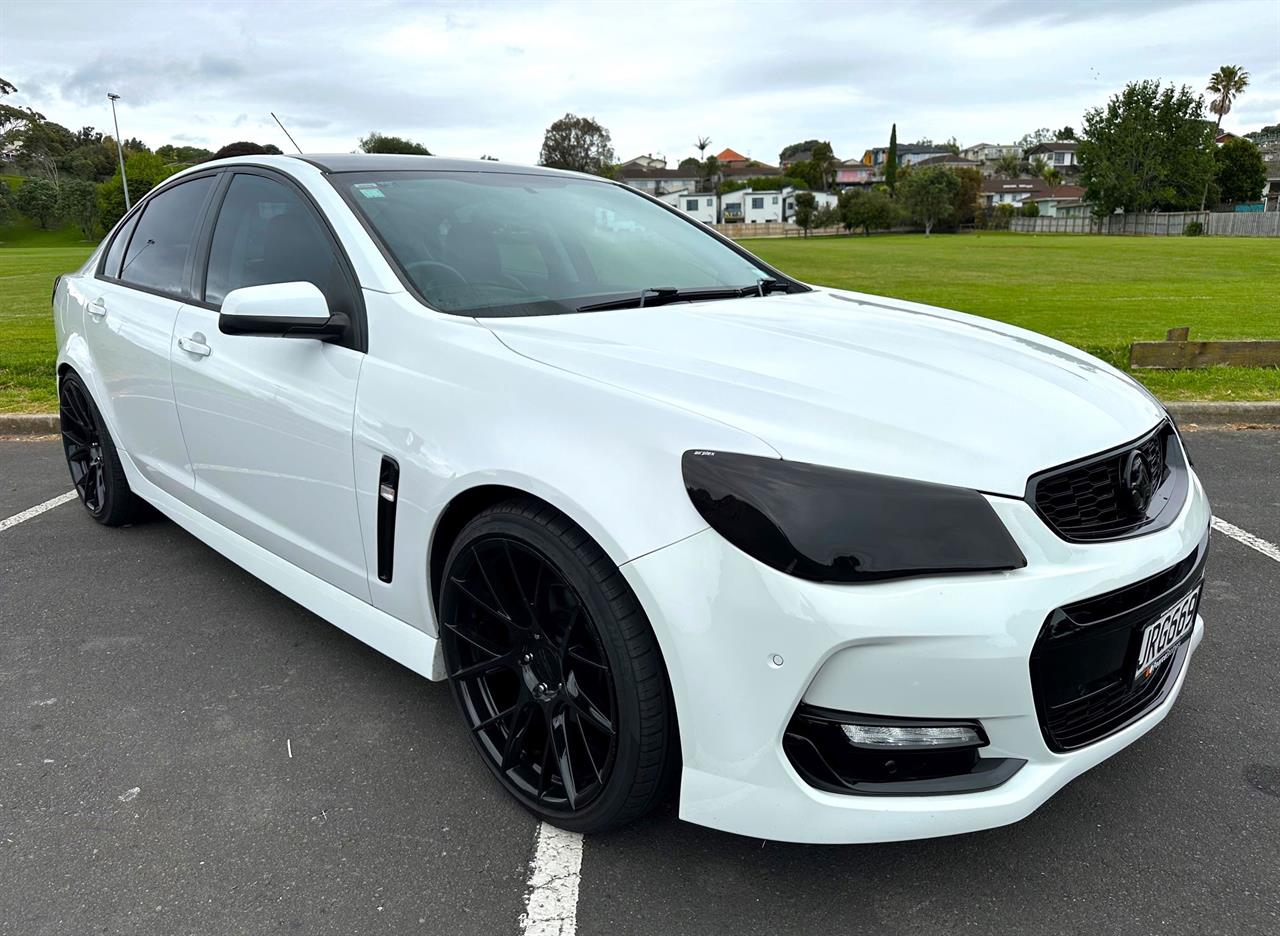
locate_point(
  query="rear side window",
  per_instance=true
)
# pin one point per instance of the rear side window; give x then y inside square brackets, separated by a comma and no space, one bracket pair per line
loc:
[157,253]
[266,233]
[111,266]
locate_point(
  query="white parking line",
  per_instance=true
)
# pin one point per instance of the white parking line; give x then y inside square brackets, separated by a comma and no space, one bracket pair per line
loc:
[36,511]
[551,905]
[1270,550]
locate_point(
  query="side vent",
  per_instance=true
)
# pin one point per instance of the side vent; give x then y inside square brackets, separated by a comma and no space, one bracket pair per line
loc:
[388,493]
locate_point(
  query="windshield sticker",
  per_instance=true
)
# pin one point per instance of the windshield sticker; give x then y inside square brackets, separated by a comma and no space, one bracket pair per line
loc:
[369,190]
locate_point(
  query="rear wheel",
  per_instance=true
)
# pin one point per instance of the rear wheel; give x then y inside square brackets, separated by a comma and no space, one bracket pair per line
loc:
[92,458]
[555,668]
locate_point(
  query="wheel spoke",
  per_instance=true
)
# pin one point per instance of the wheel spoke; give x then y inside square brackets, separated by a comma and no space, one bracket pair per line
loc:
[484,666]
[479,602]
[520,722]
[586,746]
[474,639]
[579,658]
[585,707]
[564,760]
[494,719]
[498,607]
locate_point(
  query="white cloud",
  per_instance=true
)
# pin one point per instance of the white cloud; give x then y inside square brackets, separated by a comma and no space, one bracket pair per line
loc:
[472,78]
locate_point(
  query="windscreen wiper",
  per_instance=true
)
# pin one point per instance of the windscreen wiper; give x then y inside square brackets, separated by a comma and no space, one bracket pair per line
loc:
[661,295]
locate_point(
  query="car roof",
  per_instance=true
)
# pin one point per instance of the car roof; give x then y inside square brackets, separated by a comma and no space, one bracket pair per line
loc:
[391,162]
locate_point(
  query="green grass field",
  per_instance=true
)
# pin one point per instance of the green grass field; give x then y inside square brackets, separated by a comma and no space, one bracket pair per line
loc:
[1098,293]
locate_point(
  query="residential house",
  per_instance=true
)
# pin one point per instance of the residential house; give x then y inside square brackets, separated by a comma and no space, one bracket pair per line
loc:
[855,173]
[991,153]
[948,161]
[731,159]
[1061,154]
[1053,202]
[699,205]
[748,206]
[1016,191]
[908,154]
[648,161]
[650,174]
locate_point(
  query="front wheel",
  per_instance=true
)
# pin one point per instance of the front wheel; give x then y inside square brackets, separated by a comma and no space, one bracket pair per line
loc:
[555,669]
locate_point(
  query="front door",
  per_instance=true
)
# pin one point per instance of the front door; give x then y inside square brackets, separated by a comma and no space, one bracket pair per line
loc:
[267,421]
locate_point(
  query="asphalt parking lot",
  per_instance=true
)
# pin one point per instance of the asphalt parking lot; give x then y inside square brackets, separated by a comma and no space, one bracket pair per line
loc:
[182,750]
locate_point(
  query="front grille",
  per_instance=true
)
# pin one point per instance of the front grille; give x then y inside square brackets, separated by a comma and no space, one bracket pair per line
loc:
[1083,662]
[1091,499]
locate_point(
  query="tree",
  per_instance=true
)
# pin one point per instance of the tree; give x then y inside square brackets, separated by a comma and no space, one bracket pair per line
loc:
[1066,133]
[241,148]
[145,172]
[806,208]
[78,203]
[577,143]
[1035,138]
[1149,149]
[1029,209]
[824,164]
[826,217]
[38,200]
[891,161]
[6,199]
[795,149]
[929,195]
[182,155]
[1051,176]
[968,187]
[376,142]
[868,209]
[1240,171]
[1039,166]
[711,174]
[1226,84]
[952,147]
[1009,166]
[701,145]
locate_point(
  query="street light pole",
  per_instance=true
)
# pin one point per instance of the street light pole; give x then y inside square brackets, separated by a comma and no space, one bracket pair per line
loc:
[119,148]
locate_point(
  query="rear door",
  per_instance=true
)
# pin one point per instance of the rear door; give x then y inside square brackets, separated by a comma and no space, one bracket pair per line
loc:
[268,421]
[132,304]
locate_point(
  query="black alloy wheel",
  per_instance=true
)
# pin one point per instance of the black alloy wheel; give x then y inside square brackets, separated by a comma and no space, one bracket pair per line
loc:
[91,456]
[556,686]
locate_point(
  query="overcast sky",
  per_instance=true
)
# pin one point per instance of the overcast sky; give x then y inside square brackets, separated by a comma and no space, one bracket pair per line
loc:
[468,79]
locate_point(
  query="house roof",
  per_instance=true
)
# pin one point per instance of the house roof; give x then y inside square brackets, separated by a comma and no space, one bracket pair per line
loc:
[755,169]
[948,159]
[729,155]
[1061,193]
[1057,146]
[641,172]
[1034,188]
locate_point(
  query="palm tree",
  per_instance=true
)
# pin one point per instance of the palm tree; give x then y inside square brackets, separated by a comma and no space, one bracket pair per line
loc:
[1009,166]
[1226,84]
[1051,176]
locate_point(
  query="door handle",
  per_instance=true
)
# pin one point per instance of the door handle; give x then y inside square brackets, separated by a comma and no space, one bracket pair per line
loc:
[195,345]
[97,308]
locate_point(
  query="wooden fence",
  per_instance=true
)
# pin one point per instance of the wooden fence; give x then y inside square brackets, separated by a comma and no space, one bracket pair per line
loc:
[771,229]
[1160,224]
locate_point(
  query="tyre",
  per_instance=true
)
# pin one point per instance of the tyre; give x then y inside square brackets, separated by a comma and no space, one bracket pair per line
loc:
[555,669]
[92,458]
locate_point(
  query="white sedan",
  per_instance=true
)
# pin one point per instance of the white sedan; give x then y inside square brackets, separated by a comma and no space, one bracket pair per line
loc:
[844,568]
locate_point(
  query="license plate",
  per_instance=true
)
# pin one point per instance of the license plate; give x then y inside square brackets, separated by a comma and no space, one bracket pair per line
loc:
[1167,631]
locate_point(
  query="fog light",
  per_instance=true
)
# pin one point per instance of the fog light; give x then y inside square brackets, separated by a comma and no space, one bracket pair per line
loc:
[912,738]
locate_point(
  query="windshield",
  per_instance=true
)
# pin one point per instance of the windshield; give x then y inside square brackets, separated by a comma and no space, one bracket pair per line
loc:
[503,244]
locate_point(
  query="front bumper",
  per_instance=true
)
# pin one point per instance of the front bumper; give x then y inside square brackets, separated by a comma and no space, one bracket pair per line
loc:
[942,647]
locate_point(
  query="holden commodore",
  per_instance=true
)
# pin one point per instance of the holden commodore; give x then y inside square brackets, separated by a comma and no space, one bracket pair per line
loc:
[838,568]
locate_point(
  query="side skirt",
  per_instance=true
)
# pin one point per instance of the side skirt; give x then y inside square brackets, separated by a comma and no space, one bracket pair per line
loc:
[402,642]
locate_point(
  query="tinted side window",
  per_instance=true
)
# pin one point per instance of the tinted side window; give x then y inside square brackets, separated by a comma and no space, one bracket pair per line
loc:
[157,253]
[266,234]
[111,266]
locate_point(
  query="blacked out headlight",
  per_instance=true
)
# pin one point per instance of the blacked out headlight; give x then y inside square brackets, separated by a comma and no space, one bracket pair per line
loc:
[830,525]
